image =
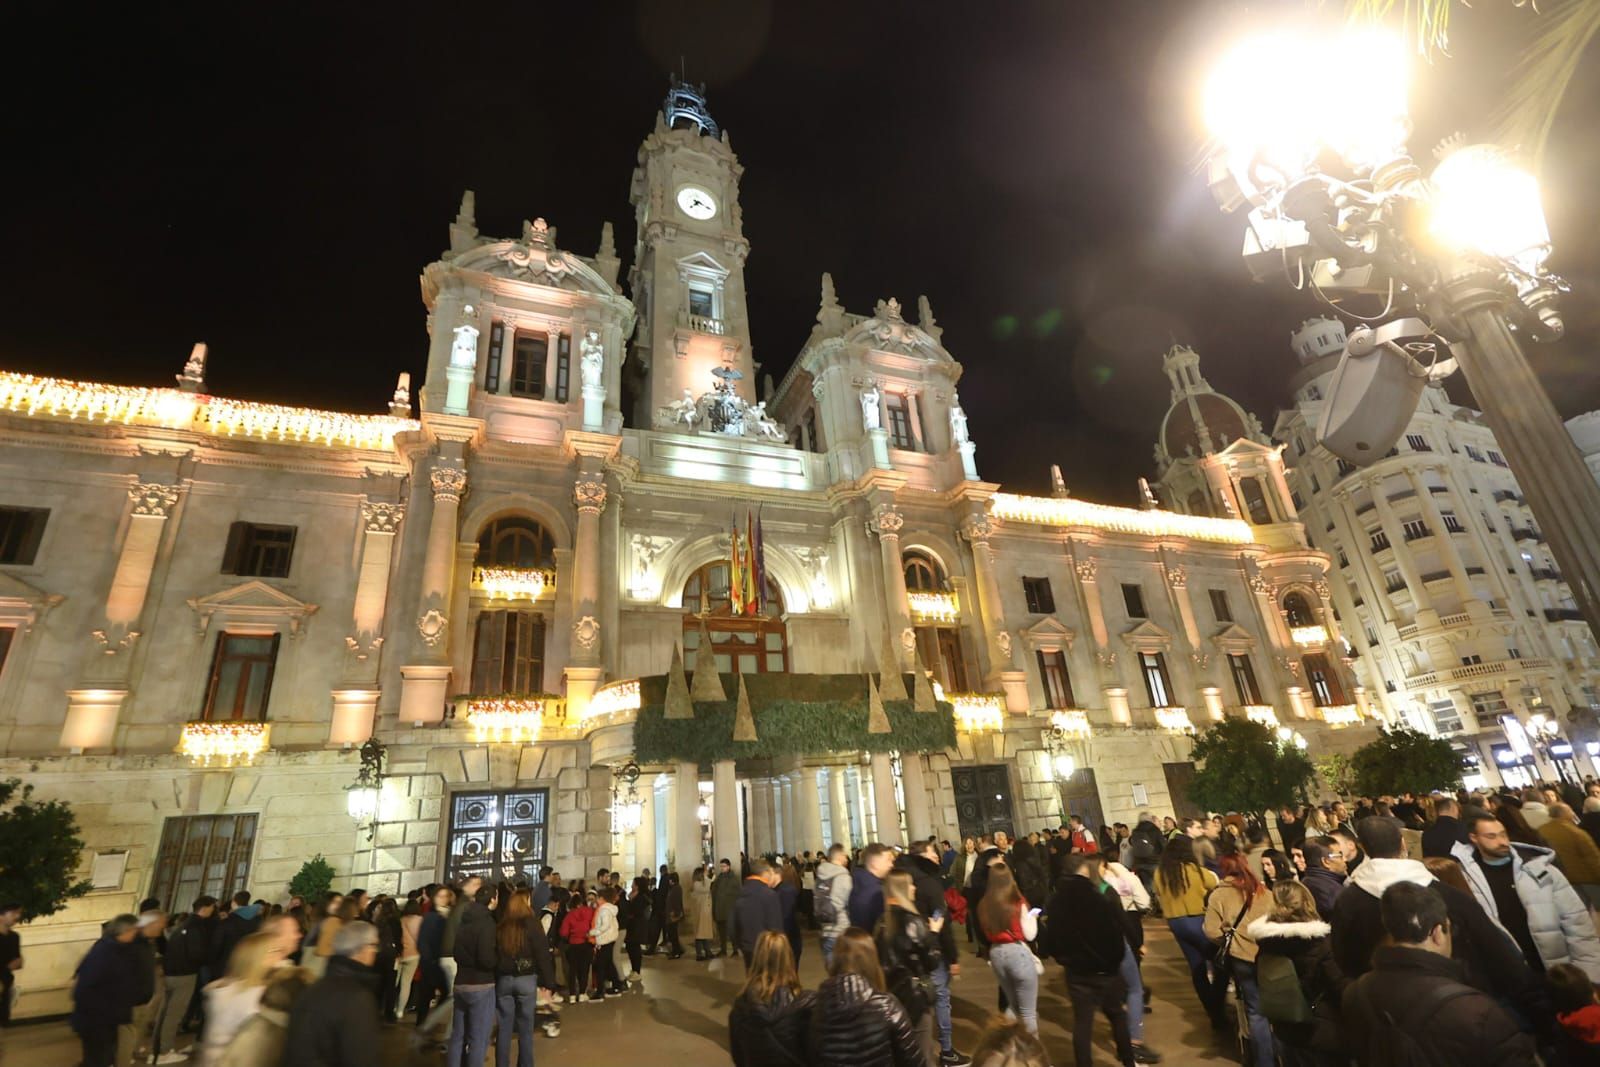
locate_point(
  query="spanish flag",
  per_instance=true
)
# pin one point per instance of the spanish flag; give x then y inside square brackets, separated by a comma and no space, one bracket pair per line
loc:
[736,603]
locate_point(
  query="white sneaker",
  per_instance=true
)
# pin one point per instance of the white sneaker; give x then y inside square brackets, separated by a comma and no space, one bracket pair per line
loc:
[171,1057]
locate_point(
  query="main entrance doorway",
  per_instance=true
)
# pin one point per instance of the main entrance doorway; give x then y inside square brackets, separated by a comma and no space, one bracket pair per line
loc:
[1080,796]
[1179,776]
[983,799]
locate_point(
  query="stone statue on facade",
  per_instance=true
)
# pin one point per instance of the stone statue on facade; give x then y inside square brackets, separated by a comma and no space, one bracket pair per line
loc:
[757,423]
[871,416]
[685,412]
[958,423]
[464,352]
[592,358]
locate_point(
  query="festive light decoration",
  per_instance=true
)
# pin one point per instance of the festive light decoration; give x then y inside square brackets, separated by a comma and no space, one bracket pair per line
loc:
[1291,737]
[1072,723]
[1067,511]
[177,410]
[512,583]
[615,697]
[978,712]
[1341,715]
[224,743]
[939,607]
[1174,720]
[1261,713]
[508,719]
[1307,636]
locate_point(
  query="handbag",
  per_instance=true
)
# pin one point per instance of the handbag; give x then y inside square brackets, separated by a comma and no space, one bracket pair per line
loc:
[1225,946]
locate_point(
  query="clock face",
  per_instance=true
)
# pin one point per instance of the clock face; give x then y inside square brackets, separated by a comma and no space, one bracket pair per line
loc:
[696,202]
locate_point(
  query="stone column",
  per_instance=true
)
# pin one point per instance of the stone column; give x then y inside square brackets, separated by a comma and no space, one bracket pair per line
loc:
[1359,552]
[425,685]
[808,810]
[686,818]
[725,811]
[583,675]
[1442,537]
[786,795]
[1003,673]
[919,822]
[838,807]
[886,523]
[760,816]
[1177,591]
[355,699]
[884,805]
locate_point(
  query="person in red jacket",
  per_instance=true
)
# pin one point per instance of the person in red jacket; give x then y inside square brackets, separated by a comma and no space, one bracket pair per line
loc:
[1082,840]
[579,947]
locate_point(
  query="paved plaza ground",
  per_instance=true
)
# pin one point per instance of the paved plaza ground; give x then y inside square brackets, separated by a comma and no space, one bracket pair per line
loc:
[680,1018]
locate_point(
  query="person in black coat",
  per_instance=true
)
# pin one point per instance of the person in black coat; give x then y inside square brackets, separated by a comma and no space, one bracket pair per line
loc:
[1293,931]
[1324,874]
[104,990]
[1446,831]
[770,1023]
[242,921]
[855,1022]
[1084,933]
[335,1022]
[758,908]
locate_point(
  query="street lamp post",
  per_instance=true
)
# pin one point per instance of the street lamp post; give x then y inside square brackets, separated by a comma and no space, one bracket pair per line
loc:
[1335,197]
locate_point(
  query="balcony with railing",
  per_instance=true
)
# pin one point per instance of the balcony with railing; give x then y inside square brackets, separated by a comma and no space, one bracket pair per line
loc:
[1545,574]
[513,583]
[702,324]
[978,712]
[1173,720]
[1309,636]
[1526,533]
[1563,615]
[933,606]
[224,743]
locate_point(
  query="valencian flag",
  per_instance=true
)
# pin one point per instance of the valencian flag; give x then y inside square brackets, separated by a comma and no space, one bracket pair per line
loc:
[736,575]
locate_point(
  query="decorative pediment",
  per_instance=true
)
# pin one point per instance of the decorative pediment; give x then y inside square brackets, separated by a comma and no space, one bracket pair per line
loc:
[1234,639]
[254,603]
[1148,637]
[701,263]
[888,331]
[531,261]
[22,605]
[1048,634]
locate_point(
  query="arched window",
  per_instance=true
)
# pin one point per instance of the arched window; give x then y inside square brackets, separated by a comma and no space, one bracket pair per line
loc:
[746,644]
[1255,502]
[515,541]
[1297,611]
[923,573]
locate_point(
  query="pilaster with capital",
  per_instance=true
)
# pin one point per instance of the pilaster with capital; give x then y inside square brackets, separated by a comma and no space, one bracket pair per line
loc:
[886,523]
[1087,589]
[449,484]
[380,522]
[977,529]
[1177,582]
[589,497]
[150,504]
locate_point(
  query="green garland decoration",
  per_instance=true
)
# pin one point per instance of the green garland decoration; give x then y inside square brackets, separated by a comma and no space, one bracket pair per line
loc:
[796,714]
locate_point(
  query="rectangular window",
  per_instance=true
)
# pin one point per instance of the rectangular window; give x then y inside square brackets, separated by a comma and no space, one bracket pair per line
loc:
[1418,442]
[1299,445]
[1157,683]
[1057,682]
[1372,638]
[1393,582]
[1344,560]
[1446,716]
[1036,591]
[508,653]
[1415,529]
[497,347]
[529,352]
[20,531]
[1512,652]
[497,836]
[1220,610]
[702,302]
[1316,486]
[202,855]
[1497,459]
[563,367]
[1474,455]
[1380,541]
[1244,679]
[1299,502]
[258,551]
[1469,661]
[241,677]
[1488,707]
[1451,523]
[1325,687]
[1133,600]
[899,421]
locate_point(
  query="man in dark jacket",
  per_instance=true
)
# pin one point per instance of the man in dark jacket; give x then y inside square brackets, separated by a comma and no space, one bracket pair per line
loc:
[1146,845]
[757,909]
[921,862]
[724,895]
[866,885]
[1442,836]
[1416,992]
[1324,873]
[152,926]
[1084,933]
[189,948]
[335,1022]
[242,921]
[1489,958]
[104,990]
[473,989]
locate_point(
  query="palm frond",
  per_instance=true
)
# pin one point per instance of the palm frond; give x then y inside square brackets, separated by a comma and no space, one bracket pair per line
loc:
[1426,23]
[1543,74]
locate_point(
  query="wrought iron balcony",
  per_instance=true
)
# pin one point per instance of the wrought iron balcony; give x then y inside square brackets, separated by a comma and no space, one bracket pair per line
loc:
[224,743]
[513,583]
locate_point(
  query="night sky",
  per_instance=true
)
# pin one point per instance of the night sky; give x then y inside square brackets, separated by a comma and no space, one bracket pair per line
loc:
[272,180]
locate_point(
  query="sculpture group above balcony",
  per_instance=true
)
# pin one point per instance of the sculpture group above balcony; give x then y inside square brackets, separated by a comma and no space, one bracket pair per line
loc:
[721,411]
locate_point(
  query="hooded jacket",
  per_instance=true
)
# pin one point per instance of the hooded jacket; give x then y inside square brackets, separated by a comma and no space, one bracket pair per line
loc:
[1579,856]
[853,1025]
[259,1042]
[1325,886]
[1083,931]
[838,888]
[475,946]
[1490,959]
[929,894]
[1559,920]
[1305,944]
[774,1034]
[240,923]
[1535,814]
[758,909]
[335,1022]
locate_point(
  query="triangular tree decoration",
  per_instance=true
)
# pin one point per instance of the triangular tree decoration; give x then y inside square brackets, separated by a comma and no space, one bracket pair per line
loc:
[894,686]
[678,705]
[706,683]
[744,723]
[877,718]
[921,688]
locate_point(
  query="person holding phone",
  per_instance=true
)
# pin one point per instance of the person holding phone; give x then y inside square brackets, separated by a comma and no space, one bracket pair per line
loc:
[908,945]
[921,862]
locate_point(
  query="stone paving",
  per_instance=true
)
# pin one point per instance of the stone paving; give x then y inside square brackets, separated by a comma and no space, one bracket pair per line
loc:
[680,1018]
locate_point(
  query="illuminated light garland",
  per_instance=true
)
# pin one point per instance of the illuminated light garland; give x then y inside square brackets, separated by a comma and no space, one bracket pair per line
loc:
[941,607]
[512,583]
[1264,714]
[1341,715]
[1174,720]
[1306,636]
[510,719]
[224,743]
[1067,511]
[1072,723]
[174,409]
[612,698]
[978,712]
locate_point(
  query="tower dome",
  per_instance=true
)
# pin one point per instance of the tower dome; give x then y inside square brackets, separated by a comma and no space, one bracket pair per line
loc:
[1200,420]
[685,108]
[1317,338]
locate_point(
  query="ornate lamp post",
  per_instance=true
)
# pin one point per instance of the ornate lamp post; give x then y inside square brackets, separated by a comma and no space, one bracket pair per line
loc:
[1336,204]
[627,810]
[361,796]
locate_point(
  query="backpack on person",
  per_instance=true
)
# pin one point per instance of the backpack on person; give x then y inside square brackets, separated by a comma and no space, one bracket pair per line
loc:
[1281,998]
[1144,850]
[823,908]
[1392,1040]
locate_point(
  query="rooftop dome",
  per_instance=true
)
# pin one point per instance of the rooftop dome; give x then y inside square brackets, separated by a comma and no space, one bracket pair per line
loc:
[1200,420]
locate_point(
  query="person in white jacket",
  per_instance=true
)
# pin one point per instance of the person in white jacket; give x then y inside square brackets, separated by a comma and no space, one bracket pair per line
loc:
[1135,903]
[1522,889]
[605,932]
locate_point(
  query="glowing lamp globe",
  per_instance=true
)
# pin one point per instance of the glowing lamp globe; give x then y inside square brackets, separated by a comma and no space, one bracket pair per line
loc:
[1066,767]
[1483,202]
[361,801]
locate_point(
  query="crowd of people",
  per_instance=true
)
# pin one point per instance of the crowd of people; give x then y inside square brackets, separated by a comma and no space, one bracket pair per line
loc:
[1448,928]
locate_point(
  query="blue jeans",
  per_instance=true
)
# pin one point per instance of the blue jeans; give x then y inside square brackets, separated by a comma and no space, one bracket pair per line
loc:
[1130,975]
[1189,932]
[470,1024]
[827,950]
[516,998]
[1244,979]
[941,1005]
[1018,976]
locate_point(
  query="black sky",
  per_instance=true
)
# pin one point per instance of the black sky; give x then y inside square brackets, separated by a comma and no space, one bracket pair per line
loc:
[272,180]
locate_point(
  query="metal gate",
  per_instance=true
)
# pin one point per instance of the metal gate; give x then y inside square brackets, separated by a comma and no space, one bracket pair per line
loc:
[983,799]
[202,855]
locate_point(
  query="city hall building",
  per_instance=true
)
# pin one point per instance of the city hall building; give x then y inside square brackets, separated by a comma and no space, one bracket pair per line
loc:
[531,623]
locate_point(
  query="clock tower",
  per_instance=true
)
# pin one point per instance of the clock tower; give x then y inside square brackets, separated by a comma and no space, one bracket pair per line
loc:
[688,274]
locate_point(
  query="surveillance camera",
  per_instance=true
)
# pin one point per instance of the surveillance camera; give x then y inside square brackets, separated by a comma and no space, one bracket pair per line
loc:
[1374,392]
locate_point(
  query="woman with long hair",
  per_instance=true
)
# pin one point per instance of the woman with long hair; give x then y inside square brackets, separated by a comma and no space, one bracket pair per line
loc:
[855,1022]
[234,998]
[1236,903]
[1276,867]
[771,1018]
[673,916]
[1028,867]
[908,948]
[705,925]
[1293,930]
[410,956]
[386,918]
[1009,924]
[260,1041]
[637,929]
[1181,886]
[522,965]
